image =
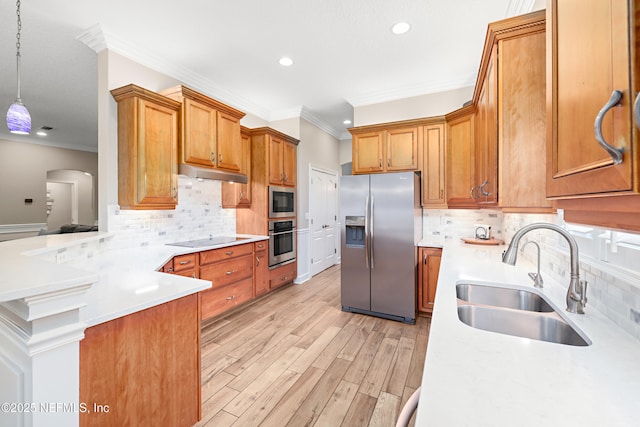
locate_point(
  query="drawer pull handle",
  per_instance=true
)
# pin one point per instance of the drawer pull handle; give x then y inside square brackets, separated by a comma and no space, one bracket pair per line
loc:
[229,253]
[615,153]
[185,262]
[231,297]
[229,273]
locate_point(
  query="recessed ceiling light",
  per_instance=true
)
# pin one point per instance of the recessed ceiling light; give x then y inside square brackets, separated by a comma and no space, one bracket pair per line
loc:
[286,62]
[41,133]
[347,122]
[400,28]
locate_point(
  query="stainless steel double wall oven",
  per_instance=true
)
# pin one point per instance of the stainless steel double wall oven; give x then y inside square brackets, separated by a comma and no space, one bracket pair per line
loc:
[282,226]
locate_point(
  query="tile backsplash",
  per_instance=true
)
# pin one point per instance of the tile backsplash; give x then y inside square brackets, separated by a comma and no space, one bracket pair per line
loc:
[454,224]
[199,214]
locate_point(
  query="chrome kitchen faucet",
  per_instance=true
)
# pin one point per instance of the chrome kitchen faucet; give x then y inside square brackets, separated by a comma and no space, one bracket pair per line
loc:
[577,291]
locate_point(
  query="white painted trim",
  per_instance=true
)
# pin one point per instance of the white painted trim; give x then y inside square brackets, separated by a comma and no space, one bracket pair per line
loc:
[303,257]
[22,228]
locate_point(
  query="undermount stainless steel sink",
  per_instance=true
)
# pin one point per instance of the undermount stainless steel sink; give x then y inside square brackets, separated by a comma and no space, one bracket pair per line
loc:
[502,297]
[548,327]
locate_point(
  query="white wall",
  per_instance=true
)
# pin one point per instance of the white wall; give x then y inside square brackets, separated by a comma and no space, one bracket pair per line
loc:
[433,104]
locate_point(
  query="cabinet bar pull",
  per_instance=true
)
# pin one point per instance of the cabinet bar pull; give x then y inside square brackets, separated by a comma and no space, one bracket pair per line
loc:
[220,158]
[636,110]
[229,273]
[380,163]
[482,191]
[471,193]
[213,156]
[229,253]
[185,262]
[615,153]
[257,261]
[230,298]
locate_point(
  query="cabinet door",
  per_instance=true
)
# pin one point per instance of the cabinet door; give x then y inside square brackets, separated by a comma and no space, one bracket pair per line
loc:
[487,138]
[589,59]
[234,194]
[199,145]
[368,150]
[522,121]
[228,138]
[157,177]
[402,149]
[261,275]
[433,166]
[461,162]
[289,166]
[428,277]
[276,173]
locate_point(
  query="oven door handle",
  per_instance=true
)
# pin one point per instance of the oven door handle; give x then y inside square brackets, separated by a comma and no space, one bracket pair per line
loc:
[281,232]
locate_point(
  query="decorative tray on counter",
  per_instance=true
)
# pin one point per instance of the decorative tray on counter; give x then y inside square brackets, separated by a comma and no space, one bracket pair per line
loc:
[474,241]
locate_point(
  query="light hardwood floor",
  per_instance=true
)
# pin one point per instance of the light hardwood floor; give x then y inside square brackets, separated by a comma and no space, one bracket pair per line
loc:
[295,359]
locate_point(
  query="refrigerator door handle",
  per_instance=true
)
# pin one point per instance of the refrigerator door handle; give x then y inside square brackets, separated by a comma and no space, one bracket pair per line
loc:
[366,232]
[371,240]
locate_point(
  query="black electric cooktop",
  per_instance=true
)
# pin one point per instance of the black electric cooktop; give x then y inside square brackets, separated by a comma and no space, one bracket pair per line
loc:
[211,241]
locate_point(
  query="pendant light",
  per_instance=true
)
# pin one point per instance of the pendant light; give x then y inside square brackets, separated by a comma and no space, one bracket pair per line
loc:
[18,117]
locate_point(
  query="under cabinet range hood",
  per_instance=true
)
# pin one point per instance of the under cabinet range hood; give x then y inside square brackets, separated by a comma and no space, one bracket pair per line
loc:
[206,173]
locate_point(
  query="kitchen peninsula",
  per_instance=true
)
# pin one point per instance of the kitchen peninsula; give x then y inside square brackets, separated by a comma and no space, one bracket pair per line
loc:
[145,321]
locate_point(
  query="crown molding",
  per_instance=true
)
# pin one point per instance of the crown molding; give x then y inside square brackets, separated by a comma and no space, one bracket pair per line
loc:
[99,39]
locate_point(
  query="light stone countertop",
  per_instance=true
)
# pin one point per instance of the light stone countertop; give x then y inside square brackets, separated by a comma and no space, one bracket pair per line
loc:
[124,281]
[478,378]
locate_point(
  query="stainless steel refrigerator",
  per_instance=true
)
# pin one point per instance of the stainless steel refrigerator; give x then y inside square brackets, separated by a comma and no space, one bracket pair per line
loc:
[381,222]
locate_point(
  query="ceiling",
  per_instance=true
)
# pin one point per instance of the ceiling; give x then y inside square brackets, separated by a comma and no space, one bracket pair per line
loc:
[344,54]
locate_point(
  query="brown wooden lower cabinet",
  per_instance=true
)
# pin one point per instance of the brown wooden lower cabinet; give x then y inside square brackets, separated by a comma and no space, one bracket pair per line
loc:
[428,271]
[282,275]
[143,369]
[261,272]
[218,300]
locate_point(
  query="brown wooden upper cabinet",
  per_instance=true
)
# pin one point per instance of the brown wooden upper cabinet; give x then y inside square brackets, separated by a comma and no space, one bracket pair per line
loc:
[522,118]
[589,66]
[433,165]
[593,78]
[282,162]
[210,130]
[486,191]
[391,149]
[461,177]
[234,194]
[147,149]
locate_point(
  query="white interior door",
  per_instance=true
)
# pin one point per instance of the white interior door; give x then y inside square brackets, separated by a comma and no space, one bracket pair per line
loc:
[323,193]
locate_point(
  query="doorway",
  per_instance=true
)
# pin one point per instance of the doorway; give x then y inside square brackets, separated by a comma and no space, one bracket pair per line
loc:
[323,197]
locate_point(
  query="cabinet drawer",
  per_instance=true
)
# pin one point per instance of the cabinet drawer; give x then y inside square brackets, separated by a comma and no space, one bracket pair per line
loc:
[216,301]
[184,262]
[260,246]
[190,272]
[215,255]
[230,271]
[282,275]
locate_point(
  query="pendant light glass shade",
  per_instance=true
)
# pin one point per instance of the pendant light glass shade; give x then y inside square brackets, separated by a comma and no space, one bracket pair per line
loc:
[18,118]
